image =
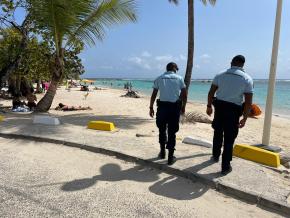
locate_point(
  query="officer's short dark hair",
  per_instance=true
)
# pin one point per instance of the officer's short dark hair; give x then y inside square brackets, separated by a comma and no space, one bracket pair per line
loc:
[171,66]
[238,60]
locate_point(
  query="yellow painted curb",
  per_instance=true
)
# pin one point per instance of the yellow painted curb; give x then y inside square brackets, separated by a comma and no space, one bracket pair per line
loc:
[101,125]
[258,155]
[1,118]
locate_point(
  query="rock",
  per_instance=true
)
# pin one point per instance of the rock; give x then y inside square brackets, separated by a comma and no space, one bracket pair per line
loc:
[284,158]
[47,120]
[197,141]
[143,135]
[286,164]
[131,94]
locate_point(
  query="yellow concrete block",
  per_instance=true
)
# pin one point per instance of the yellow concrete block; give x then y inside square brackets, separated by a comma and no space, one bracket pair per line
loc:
[101,125]
[257,155]
[1,118]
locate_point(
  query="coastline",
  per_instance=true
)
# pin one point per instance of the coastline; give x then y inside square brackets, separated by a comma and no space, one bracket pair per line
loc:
[131,117]
[147,96]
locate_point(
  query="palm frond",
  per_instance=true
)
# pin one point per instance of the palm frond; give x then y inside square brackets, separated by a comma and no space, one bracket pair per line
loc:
[57,17]
[174,1]
[212,2]
[195,117]
[92,25]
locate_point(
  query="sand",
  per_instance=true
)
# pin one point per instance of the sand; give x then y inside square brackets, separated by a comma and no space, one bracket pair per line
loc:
[108,103]
[134,114]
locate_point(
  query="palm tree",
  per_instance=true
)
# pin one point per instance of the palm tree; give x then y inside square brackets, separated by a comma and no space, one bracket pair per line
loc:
[69,23]
[190,50]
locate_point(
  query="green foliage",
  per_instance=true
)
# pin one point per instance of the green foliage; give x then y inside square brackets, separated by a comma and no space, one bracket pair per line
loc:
[65,26]
[34,63]
[212,2]
[36,57]
[73,67]
[9,46]
[7,5]
[73,21]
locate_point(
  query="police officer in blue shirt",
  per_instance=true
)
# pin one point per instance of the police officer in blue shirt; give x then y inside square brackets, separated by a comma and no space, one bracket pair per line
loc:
[170,105]
[234,93]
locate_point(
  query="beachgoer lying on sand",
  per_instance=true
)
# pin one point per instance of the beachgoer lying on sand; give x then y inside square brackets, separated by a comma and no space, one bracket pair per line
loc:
[85,88]
[31,98]
[62,107]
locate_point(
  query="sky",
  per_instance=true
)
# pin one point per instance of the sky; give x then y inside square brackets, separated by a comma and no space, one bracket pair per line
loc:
[142,49]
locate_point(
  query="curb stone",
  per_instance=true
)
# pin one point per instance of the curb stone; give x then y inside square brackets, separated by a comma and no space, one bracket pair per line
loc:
[227,189]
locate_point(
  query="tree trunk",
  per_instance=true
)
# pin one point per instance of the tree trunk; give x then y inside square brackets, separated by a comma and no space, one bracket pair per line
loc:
[190,51]
[38,88]
[56,68]
[45,103]
[18,84]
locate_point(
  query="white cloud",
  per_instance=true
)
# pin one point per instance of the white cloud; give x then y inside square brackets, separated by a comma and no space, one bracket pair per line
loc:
[147,66]
[140,62]
[182,57]
[205,56]
[160,67]
[135,60]
[106,67]
[146,54]
[164,58]
[196,66]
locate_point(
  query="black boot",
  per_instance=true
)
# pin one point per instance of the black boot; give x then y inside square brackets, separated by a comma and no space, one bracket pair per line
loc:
[171,158]
[162,152]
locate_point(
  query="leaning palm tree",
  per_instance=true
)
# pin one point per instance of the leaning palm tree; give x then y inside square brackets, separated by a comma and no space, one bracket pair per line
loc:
[190,50]
[70,23]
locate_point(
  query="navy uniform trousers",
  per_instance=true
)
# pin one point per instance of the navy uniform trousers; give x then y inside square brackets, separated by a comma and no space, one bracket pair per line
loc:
[226,129]
[167,120]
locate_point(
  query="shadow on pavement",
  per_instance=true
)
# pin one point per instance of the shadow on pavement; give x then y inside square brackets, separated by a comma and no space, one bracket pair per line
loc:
[178,188]
[113,173]
[170,187]
[121,121]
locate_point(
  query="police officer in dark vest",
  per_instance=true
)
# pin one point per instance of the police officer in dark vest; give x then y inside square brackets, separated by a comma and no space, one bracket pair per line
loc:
[232,88]
[170,105]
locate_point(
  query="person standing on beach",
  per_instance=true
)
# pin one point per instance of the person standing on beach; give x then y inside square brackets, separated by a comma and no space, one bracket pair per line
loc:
[232,88]
[171,103]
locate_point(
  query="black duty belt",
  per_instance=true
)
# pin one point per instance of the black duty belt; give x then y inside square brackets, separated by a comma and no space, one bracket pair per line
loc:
[168,103]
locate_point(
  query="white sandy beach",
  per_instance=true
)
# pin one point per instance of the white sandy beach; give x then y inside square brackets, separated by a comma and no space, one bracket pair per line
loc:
[108,104]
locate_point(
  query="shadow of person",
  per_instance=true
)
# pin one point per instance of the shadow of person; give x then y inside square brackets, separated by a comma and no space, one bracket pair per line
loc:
[113,173]
[178,188]
[203,165]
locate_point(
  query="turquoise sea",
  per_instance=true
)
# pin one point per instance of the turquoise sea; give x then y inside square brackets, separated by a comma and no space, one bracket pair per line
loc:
[199,89]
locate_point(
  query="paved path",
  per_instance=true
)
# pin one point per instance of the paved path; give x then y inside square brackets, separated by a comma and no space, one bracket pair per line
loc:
[48,180]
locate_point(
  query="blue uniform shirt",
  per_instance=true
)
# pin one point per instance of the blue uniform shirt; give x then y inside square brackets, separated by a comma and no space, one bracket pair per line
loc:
[169,84]
[232,85]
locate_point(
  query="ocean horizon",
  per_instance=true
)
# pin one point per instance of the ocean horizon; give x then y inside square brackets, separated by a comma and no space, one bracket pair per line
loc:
[199,89]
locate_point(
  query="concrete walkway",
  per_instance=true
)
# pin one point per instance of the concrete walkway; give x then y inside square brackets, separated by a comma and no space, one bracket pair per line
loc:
[62,185]
[249,181]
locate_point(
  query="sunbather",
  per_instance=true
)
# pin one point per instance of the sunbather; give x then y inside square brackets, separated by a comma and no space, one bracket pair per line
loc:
[63,107]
